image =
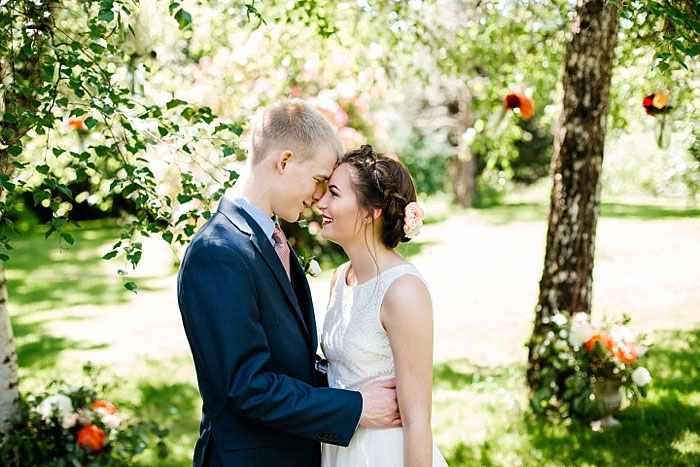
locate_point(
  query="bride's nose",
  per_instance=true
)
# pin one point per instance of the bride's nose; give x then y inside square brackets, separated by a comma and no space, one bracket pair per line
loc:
[322,203]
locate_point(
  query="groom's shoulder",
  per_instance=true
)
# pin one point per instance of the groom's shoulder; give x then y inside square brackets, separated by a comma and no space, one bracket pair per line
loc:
[219,233]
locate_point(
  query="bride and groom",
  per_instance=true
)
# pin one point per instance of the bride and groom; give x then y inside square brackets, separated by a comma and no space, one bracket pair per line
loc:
[248,314]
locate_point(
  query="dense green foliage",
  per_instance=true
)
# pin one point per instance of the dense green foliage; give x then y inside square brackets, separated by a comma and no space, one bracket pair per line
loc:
[76,115]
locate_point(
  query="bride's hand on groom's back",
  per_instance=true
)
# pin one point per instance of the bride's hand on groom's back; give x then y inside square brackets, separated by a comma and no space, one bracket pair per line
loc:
[380,408]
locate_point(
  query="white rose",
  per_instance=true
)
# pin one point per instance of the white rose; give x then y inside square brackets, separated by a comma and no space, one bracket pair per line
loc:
[559,319]
[111,421]
[581,332]
[69,420]
[314,268]
[641,376]
[621,334]
[58,403]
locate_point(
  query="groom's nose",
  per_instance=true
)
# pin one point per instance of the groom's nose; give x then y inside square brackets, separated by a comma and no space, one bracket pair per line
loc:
[318,194]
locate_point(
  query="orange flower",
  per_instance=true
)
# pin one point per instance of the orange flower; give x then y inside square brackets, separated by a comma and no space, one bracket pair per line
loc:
[660,100]
[626,353]
[92,436]
[78,123]
[518,101]
[599,336]
[527,108]
[107,407]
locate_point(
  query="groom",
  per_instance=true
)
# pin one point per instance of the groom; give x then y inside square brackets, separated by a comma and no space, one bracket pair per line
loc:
[248,315]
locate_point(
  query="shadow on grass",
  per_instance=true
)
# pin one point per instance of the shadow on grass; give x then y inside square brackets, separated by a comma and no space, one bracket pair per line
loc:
[663,430]
[648,436]
[42,352]
[44,274]
[47,275]
[175,407]
[38,350]
[502,214]
[646,211]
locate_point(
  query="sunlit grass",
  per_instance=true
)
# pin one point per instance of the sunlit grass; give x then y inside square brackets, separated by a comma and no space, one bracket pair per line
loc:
[480,416]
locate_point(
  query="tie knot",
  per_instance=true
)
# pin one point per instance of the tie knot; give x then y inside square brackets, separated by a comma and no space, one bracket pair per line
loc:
[281,248]
[278,235]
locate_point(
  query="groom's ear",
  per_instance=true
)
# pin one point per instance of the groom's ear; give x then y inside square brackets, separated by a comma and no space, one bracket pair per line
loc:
[283,158]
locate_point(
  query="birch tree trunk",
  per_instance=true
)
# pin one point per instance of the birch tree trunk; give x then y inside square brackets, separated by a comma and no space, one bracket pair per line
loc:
[567,278]
[9,394]
[40,16]
[464,165]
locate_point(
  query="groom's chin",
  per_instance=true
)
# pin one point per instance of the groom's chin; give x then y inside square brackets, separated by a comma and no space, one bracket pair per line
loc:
[290,219]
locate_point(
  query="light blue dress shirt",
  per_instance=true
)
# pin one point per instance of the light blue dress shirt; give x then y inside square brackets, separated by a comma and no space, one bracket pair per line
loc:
[266,223]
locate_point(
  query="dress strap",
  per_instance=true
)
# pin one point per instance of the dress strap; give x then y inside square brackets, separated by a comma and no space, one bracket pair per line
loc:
[389,276]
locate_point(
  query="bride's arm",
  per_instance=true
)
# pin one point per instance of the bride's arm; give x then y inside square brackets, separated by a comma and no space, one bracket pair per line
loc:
[407,316]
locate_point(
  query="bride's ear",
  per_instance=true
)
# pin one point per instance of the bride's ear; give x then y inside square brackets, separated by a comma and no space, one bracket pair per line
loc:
[373,215]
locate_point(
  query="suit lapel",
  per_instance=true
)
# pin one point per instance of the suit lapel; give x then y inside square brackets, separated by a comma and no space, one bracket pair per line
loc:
[244,223]
[303,294]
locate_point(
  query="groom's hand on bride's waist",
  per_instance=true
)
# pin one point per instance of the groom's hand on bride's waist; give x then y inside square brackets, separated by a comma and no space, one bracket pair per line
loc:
[380,408]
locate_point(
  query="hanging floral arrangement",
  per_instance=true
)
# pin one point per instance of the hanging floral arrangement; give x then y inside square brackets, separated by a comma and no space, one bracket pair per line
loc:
[658,105]
[519,103]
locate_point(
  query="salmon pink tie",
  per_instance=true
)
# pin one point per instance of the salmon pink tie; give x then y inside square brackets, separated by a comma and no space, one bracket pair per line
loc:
[282,248]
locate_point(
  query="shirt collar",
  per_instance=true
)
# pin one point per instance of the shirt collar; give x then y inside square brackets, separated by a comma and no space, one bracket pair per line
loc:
[266,223]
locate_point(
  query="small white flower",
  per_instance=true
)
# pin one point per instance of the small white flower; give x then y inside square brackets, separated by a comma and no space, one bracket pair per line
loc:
[580,333]
[641,376]
[69,420]
[559,319]
[314,268]
[580,317]
[58,403]
[85,417]
[111,421]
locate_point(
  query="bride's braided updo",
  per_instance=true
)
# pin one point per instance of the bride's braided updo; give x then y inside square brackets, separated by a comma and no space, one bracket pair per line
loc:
[382,183]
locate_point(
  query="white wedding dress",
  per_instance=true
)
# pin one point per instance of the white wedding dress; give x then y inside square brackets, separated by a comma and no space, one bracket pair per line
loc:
[358,351]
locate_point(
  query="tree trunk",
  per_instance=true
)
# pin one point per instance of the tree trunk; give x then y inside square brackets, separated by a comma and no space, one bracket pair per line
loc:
[9,394]
[464,166]
[567,278]
[40,17]
[464,178]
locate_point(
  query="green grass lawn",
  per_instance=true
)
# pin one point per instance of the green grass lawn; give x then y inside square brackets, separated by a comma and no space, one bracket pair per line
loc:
[663,430]
[480,415]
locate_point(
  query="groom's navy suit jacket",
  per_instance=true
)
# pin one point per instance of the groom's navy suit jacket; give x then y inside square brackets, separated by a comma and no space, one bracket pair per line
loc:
[253,337]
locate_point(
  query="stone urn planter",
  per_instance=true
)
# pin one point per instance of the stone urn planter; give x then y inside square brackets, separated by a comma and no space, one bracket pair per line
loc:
[607,394]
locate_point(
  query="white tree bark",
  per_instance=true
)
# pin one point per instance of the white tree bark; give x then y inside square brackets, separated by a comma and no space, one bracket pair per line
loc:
[567,276]
[9,394]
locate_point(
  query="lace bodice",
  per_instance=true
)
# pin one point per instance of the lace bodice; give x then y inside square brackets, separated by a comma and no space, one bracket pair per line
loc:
[353,340]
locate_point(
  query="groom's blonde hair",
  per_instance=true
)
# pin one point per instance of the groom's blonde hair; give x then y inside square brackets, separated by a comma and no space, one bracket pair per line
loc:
[293,125]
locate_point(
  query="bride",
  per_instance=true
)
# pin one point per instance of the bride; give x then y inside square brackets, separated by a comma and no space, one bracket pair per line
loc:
[379,322]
